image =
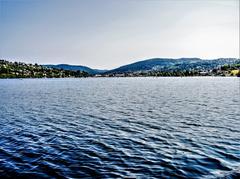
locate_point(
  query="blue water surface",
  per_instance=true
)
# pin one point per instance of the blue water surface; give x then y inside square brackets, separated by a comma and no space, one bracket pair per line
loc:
[120,127]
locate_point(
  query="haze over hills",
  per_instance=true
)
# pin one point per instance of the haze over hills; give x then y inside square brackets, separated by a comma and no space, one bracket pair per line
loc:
[155,64]
[76,68]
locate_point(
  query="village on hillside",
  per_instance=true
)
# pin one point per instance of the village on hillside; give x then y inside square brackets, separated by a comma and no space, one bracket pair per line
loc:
[23,70]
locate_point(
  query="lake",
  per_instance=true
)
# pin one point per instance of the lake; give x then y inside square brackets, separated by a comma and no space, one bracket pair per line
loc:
[120,127]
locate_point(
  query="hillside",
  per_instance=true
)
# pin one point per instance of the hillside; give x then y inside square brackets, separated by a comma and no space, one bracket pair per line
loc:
[151,67]
[170,65]
[76,68]
[23,70]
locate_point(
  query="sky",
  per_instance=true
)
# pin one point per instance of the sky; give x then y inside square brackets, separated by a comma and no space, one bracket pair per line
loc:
[106,34]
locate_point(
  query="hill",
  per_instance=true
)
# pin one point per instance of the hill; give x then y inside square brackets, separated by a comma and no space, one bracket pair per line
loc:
[76,68]
[151,67]
[23,70]
[170,65]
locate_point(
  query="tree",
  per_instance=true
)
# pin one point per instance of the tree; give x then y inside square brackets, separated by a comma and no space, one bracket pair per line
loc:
[238,74]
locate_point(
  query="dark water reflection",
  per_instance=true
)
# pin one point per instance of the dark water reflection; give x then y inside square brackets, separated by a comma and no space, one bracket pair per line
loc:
[120,127]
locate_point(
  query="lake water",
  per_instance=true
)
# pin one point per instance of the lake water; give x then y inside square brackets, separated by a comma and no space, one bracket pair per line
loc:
[120,127]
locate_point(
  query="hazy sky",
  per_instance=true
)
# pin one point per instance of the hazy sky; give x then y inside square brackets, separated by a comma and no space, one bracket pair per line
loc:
[109,33]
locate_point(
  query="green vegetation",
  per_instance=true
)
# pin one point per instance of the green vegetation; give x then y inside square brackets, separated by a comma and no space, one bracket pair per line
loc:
[232,70]
[223,70]
[23,70]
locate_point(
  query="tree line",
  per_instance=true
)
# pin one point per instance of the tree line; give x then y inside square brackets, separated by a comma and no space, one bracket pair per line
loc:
[23,70]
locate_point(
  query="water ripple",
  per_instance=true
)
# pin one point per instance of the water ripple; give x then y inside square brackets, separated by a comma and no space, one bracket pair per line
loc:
[120,128]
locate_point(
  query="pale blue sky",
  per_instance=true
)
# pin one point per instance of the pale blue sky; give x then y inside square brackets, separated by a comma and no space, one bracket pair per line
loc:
[109,33]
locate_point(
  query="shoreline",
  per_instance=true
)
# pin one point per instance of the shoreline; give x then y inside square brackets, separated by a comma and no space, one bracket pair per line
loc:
[93,77]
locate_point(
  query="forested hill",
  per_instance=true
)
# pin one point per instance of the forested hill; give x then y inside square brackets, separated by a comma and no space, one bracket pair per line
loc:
[76,68]
[169,65]
[24,70]
[151,67]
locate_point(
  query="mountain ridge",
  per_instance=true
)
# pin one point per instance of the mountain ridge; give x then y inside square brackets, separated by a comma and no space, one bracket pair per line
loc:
[164,64]
[75,68]
[150,67]
[154,64]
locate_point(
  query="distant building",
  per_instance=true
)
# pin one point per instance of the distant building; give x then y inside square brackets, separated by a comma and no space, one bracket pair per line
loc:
[203,73]
[98,75]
